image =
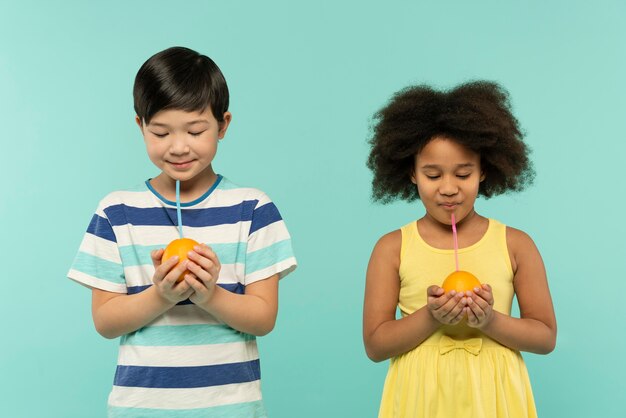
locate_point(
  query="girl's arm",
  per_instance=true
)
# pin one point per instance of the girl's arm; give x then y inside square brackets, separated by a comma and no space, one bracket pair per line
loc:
[253,312]
[385,336]
[116,314]
[535,330]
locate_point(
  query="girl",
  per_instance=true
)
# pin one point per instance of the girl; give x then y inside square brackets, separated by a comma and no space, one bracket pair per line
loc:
[453,354]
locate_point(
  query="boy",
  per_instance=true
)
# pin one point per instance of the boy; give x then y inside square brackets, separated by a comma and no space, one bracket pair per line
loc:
[187,348]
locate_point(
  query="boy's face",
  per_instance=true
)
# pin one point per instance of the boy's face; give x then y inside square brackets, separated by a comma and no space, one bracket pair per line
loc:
[448,177]
[183,144]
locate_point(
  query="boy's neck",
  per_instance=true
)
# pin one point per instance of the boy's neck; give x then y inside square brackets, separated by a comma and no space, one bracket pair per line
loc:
[190,190]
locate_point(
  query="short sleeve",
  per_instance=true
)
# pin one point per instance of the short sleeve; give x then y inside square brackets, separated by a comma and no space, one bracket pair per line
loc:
[269,250]
[98,263]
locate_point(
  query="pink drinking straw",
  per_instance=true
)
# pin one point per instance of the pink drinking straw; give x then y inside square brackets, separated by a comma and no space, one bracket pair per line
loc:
[456,242]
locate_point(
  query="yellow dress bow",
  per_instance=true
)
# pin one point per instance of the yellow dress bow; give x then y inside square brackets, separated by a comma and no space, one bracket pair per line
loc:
[472,345]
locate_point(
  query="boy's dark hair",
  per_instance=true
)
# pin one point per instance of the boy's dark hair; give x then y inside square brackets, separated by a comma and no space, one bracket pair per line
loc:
[476,115]
[179,78]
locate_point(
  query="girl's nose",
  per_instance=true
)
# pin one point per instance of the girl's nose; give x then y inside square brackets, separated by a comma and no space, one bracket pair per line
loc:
[448,187]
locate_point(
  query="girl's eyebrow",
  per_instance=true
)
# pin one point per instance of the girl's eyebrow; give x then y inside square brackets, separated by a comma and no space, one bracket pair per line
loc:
[435,166]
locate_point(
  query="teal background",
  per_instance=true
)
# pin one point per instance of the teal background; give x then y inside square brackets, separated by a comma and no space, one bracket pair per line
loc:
[305,79]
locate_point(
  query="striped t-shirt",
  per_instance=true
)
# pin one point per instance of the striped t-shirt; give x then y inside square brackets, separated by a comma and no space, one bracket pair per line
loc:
[185,363]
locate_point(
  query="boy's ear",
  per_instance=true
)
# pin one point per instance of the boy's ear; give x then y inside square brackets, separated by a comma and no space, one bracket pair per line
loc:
[223,126]
[138,122]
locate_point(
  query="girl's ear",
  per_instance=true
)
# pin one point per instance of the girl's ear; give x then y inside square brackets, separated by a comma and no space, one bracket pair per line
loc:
[413,176]
[482,176]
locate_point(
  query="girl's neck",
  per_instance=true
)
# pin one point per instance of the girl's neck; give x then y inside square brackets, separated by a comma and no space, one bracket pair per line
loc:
[439,235]
[190,190]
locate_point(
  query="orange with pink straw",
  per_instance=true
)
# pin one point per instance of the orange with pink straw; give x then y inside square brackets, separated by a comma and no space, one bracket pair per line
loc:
[459,280]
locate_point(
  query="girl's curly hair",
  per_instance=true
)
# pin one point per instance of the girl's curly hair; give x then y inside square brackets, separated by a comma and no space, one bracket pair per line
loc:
[477,115]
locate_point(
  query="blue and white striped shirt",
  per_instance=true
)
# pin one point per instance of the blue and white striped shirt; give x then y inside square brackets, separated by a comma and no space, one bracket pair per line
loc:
[185,363]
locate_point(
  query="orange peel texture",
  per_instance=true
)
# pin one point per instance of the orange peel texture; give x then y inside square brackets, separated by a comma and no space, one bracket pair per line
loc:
[461,281]
[179,247]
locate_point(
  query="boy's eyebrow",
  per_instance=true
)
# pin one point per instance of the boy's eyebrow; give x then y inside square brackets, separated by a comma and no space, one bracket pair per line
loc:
[193,122]
[165,125]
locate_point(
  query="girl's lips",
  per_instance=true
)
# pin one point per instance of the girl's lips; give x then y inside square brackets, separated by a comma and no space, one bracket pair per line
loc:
[449,206]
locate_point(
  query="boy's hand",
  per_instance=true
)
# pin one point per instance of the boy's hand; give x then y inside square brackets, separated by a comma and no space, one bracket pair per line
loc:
[165,275]
[205,265]
[479,309]
[447,308]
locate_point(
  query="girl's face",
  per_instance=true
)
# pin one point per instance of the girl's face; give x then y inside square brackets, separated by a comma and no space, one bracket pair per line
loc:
[447,176]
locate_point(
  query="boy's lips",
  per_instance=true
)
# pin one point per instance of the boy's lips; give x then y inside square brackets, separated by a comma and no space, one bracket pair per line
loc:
[181,165]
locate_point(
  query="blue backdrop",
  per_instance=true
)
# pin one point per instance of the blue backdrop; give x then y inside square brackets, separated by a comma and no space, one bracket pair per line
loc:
[305,79]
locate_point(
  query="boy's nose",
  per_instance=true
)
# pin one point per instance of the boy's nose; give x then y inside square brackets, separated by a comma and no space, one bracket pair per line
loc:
[179,145]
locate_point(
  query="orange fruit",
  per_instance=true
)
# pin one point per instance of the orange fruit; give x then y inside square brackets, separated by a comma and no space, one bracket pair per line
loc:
[460,281]
[179,247]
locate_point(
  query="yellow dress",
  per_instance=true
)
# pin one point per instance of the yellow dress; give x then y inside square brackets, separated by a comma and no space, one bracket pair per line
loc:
[458,372]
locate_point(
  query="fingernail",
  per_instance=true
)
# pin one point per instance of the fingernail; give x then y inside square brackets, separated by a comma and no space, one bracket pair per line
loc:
[197,248]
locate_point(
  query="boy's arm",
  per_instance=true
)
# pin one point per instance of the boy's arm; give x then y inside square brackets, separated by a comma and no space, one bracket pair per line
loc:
[116,314]
[253,312]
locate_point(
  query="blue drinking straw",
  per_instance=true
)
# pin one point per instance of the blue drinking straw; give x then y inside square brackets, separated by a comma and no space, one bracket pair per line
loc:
[178,214]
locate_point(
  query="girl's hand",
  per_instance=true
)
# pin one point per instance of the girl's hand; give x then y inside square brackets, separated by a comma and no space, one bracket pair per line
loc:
[479,309]
[165,275]
[205,266]
[446,308]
